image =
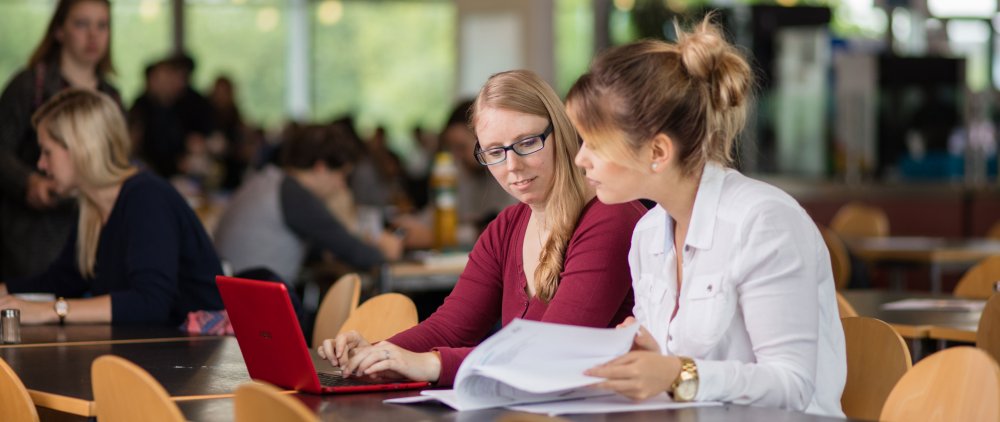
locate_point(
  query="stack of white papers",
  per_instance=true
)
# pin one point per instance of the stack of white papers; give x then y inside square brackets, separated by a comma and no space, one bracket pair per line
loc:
[536,362]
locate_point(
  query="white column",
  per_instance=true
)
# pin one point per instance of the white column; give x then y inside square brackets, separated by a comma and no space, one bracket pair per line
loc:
[494,36]
[297,103]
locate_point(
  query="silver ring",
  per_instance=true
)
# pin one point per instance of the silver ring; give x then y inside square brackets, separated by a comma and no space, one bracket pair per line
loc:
[386,355]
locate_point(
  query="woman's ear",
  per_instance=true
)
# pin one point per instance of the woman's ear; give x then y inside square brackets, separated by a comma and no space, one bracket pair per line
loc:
[661,152]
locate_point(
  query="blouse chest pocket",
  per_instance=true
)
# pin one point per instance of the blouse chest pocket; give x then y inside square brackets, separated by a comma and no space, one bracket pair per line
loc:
[650,291]
[710,306]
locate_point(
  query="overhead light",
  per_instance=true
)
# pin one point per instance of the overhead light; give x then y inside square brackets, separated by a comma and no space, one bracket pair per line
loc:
[267,19]
[329,12]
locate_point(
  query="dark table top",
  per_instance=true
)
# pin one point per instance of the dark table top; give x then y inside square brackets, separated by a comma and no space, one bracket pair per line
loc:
[369,406]
[197,371]
[207,366]
[868,303]
[56,335]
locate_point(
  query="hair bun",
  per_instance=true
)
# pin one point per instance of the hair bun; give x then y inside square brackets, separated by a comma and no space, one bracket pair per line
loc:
[707,57]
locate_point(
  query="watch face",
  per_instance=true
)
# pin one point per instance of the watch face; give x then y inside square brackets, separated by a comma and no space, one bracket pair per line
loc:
[62,307]
[686,390]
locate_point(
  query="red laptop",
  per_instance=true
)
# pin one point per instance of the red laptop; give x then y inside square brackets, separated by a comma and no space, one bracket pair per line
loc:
[272,343]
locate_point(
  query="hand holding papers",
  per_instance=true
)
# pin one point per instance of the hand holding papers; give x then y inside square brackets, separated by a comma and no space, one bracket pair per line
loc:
[533,362]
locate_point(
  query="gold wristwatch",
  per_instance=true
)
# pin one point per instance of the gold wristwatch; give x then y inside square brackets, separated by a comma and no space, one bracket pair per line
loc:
[62,309]
[685,387]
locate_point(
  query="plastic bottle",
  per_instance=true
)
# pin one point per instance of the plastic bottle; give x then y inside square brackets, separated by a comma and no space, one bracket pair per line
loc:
[443,186]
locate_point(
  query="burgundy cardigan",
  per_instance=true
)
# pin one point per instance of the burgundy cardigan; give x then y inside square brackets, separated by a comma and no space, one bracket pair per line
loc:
[595,287]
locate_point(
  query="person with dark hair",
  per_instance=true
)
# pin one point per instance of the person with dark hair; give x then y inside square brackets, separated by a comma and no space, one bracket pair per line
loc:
[733,283]
[279,213]
[240,145]
[75,52]
[154,120]
[479,198]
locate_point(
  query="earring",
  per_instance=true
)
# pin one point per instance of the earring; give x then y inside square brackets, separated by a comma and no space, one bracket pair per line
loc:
[655,165]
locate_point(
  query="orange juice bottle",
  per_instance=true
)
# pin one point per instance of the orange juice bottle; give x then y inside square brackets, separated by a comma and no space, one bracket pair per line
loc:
[443,186]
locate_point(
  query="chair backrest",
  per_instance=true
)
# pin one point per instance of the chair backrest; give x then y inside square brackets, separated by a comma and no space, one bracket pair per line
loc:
[994,231]
[337,305]
[840,261]
[977,282]
[845,307]
[257,402]
[855,219]
[956,384]
[877,357]
[988,333]
[382,317]
[16,403]
[125,392]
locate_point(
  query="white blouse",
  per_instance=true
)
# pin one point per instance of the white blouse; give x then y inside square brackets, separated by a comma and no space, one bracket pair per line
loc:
[757,309]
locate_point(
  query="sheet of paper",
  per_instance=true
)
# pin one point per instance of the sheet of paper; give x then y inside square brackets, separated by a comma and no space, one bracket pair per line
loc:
[556,354]
[532,362]
[606,404]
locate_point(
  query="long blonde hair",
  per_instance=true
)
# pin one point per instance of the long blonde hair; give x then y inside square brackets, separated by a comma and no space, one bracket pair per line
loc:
[91,127]
[696,91]
[523,91]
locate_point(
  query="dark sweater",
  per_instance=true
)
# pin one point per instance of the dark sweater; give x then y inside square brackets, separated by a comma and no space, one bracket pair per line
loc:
[31,239]
[595,286]
[153,257]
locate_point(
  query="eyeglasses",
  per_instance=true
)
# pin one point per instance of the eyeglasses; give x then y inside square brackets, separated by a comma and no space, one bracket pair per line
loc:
[526,146]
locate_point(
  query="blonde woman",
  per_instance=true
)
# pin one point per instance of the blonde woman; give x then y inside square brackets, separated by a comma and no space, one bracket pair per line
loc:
[732,279]
[138,254]
[557,256]
[74,52]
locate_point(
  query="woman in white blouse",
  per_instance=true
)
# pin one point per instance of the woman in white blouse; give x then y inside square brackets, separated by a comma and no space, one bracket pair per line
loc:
[732,279]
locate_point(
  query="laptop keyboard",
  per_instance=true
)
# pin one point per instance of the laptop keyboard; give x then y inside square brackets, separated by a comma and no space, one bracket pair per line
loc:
[336,380]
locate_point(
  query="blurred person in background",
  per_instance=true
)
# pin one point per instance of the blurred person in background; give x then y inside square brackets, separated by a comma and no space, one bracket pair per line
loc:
[277,215]
[239,145]
[75,52]
[154,121]
[138,254]
[479,197]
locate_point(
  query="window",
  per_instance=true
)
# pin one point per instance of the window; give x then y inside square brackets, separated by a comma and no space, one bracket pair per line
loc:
[139,34]
[389,63]
[248,43]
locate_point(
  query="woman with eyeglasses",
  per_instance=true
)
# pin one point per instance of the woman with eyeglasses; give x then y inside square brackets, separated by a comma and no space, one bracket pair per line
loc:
[557,256]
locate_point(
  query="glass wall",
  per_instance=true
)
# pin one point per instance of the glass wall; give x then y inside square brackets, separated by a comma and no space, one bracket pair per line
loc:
[139,34]
[388,63]
[247,43]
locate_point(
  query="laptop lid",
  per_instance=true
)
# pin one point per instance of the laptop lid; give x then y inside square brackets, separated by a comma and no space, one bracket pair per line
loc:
[272,343]
[268,332]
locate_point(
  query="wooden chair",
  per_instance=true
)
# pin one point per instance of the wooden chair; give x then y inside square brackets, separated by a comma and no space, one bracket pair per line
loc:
[840,260]
[877,357]
[382,317]
[988,332]
[956,384]
[994,231]
[16,403]
[338,303]
[977,282]
[256,402]
[125,392]
[855,219]
[845,307]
